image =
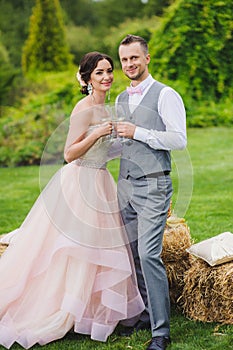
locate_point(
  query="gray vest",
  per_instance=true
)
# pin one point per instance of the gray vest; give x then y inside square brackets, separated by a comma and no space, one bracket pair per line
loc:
[139,159]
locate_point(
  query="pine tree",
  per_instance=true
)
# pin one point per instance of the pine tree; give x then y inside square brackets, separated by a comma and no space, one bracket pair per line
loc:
[194,45]
[46,48]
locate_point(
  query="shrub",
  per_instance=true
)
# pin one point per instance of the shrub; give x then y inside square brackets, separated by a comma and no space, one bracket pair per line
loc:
[196,47]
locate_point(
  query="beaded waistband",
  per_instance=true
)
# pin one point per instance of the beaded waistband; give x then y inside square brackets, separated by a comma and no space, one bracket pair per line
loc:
[90,163]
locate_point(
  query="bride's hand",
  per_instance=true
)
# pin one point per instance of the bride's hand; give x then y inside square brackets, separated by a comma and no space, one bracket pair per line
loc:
[104,129]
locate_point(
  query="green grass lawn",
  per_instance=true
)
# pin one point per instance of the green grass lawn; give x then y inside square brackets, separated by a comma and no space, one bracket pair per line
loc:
[210,157]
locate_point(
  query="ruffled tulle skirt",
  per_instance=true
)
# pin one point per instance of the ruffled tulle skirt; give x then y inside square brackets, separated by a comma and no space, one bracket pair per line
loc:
[68,266]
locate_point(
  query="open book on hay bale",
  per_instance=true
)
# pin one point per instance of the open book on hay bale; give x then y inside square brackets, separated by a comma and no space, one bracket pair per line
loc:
[208,285]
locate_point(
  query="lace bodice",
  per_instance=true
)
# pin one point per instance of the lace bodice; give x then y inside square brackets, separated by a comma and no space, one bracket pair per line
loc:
[97,155]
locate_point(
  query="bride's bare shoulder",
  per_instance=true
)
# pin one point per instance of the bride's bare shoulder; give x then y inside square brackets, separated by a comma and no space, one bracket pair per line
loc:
[82,105]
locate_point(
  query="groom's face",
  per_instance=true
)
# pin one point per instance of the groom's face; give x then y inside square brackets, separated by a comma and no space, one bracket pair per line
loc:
[134,61]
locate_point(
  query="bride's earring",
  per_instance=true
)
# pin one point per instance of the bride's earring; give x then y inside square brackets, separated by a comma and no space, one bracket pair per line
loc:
[89,89]
[109,95]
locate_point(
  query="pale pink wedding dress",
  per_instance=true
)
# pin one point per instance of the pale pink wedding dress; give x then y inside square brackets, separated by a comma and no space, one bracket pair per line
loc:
[67,266]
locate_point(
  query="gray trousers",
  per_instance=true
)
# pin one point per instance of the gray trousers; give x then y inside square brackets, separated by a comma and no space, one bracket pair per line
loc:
[144,204]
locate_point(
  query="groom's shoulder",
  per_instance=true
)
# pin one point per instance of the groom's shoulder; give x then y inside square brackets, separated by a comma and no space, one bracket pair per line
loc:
[122,94]
[158,85]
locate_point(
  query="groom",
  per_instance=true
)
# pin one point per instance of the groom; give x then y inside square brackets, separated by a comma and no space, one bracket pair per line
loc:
[155,124]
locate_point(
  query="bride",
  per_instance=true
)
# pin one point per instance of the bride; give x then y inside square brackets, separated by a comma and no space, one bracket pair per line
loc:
[68,266]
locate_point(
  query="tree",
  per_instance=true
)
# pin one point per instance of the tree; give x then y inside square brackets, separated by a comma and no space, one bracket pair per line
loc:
[194,45]
[7,75]
[113,12]
[46,48]
[80,12]
[156,7]
[14,27]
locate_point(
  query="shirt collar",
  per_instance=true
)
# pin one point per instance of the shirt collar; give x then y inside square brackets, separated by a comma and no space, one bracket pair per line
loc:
[145,83]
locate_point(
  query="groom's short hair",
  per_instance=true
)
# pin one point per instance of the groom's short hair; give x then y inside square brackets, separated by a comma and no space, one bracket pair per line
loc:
[129,39]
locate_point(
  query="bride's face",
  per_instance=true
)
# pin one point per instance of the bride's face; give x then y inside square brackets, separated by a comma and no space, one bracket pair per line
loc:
[102,76]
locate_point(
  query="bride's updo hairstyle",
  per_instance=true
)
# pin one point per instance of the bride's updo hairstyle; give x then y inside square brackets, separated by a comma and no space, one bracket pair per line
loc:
[87,64]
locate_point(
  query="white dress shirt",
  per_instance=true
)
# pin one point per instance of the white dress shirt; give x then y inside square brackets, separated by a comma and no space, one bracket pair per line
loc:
[171,110]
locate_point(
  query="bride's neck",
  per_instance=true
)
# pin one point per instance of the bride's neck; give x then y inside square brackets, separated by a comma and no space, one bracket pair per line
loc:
[98,98]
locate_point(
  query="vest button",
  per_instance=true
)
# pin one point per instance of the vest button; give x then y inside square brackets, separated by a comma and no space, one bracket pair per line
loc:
[129,142]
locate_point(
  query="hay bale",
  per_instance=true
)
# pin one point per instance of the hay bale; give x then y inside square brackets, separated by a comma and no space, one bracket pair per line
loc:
[208,292]
[177,261]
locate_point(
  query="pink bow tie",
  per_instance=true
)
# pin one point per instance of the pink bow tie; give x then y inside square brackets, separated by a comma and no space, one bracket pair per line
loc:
[134,90]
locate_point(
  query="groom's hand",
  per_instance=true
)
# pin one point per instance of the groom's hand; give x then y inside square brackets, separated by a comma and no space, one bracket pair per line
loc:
[126,129]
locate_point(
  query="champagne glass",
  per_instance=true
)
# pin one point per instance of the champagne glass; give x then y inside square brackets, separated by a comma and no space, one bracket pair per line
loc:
[111,111]
[120,117]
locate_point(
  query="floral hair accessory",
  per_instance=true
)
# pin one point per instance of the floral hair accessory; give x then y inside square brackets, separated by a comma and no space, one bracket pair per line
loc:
[80,80]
